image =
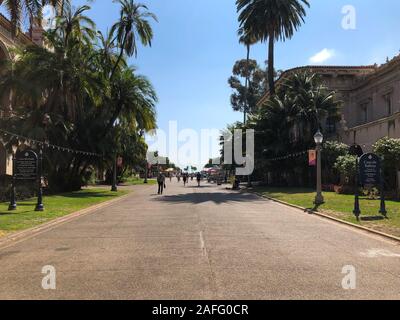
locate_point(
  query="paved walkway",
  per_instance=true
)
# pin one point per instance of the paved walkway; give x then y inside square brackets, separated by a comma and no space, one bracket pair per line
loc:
[200,243]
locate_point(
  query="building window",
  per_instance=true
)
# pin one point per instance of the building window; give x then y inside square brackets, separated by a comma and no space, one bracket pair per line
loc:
[331,125]
[364,113]
[388,104]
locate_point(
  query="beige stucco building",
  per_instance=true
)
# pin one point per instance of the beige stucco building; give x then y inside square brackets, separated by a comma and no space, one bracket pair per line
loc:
[371,100]
[7,44]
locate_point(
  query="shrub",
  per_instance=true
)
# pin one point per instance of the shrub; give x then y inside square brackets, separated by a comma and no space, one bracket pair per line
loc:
[389,150]
[346,165]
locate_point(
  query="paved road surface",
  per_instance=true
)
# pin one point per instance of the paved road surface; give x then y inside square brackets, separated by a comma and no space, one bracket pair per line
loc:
[200,243]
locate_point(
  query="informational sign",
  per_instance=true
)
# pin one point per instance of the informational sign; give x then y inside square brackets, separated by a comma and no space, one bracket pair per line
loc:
[312,158]
[370,170]
[356,150]
[26,165]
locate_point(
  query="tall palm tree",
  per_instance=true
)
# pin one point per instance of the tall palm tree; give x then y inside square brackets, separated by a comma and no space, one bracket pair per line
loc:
[74,22]
[271,20]
[71,85]
[133,24]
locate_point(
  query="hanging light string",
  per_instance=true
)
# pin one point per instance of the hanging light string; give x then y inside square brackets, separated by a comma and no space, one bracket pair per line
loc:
[289,156]
[49,145]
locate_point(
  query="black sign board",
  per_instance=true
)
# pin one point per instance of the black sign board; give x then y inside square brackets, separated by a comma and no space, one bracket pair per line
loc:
[26,165]
[356,150]
[370,170]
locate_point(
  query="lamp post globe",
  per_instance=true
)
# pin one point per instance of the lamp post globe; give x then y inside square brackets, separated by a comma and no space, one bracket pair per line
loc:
[13,203]
[319,139]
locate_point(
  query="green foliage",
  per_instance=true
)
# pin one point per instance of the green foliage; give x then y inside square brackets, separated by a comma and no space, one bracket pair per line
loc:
[81,95]
[286,124]
[56,206]
[341,206]
[270,20]
[389,149]
[346,165]
[332,150]
[246,95]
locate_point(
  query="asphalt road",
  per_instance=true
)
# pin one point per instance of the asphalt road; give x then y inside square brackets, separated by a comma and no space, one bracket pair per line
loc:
[200,243]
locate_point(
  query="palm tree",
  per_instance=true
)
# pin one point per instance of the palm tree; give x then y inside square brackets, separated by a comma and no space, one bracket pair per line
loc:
[133,24]
[271,20]
[137,100]
[71,85]
[248,40]
[73,21]
[312,102]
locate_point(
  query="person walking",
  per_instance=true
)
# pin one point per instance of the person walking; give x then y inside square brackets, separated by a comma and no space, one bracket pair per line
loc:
[185,178]
[198,177]
[161,183]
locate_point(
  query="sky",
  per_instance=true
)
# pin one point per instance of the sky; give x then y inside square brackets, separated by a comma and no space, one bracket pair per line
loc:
[195,46]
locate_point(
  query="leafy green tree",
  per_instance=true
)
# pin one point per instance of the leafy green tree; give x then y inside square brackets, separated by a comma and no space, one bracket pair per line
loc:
[287,123]
[271,20]
[248,40]
[133,25]
[245,96]
[290,119]
[346,165]
[331,151]
[69,86]
[389,150]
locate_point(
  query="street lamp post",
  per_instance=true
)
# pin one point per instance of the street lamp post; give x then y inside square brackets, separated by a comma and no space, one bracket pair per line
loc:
[39,205]
[319,139]
[13,202]
[146,172]
[114,187]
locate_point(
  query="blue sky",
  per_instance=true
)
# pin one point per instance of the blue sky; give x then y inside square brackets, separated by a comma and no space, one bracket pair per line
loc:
[195,47]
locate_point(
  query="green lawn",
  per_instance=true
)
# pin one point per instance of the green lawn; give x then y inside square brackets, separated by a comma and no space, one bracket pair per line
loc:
[55,206]
[341,206]
[133,181]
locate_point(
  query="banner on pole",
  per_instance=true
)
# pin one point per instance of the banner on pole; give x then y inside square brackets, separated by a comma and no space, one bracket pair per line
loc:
[312,158]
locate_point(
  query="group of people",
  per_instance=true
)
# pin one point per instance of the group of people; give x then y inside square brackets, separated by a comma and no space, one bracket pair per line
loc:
[185,177]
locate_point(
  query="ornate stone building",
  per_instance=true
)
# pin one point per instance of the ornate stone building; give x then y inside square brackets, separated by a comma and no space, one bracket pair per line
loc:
[371,100]
[7,43]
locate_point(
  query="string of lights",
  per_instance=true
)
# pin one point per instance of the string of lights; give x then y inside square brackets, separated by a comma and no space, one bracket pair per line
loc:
[48,145]
[289,156]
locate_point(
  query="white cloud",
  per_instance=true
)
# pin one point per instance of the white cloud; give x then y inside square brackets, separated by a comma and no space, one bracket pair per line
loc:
[322,56]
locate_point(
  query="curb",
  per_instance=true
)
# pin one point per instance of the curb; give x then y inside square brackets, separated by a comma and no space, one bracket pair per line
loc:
[322,215]
[29,233]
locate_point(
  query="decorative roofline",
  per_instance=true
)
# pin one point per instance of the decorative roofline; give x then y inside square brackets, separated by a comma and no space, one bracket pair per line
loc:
[6,24]
[371,68]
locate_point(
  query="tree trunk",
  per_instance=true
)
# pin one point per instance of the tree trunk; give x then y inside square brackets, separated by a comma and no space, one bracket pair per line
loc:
[246,107]
[271,75]
[121,54]
[397,184]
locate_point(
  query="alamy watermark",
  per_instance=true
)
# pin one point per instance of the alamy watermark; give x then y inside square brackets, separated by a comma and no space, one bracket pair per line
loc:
[349,282]
[189,146]
[349,20]
[49,280]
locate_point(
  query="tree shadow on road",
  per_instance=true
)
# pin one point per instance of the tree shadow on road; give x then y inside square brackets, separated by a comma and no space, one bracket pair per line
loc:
[204,197]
